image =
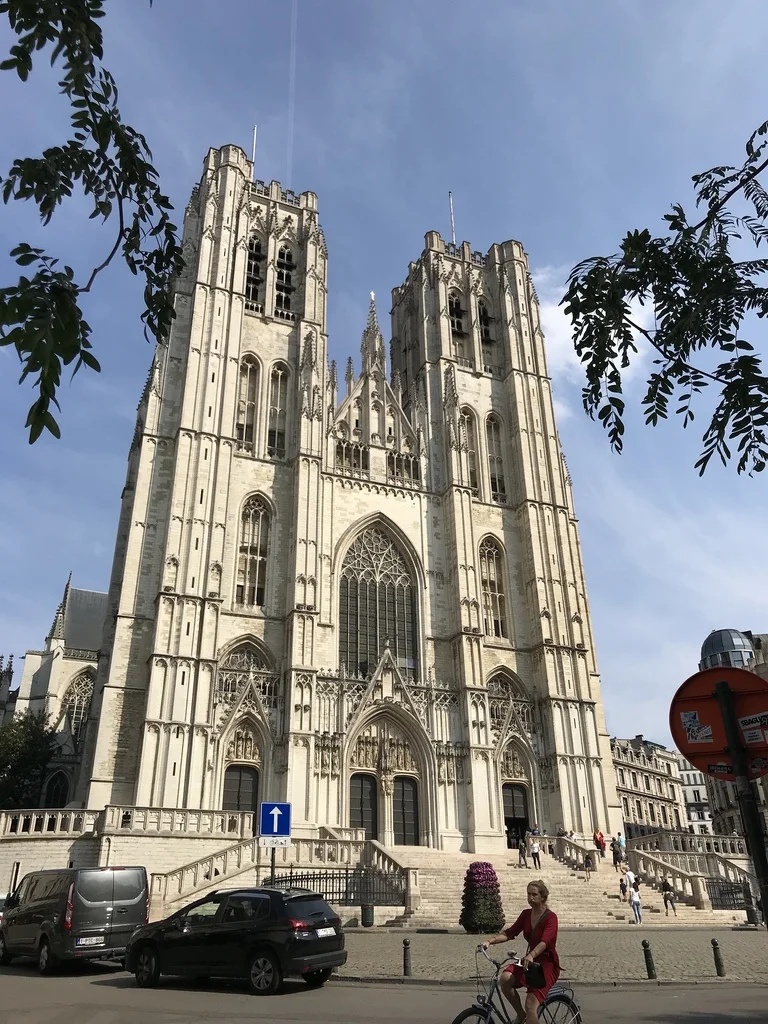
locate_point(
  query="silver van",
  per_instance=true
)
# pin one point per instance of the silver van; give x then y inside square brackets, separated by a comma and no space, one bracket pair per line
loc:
[73,914]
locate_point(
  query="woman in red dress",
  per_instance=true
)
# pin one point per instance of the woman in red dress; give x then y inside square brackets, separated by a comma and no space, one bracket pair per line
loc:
[539,928]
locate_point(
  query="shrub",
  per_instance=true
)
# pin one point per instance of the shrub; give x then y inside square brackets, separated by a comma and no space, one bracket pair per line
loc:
[481,910]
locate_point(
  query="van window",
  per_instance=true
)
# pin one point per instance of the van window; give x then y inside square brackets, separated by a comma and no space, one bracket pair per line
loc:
[130,884]
[95,886]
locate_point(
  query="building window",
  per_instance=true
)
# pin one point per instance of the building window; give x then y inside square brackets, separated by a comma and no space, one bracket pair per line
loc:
[278,401]
[634,780]
[252,557]
[652,814]
[458,330]
[639,808]
[491,352]
[659,787]
[677,819]
[622,778]
[696,796]
[57,790]
[647,782]
[254,279]
[496,460]
[403,470]
[492,588]
[77,704]
[247,402]
[625,804]
[664,817]
[351,458]
[377,606]
[468,443]
[284,284]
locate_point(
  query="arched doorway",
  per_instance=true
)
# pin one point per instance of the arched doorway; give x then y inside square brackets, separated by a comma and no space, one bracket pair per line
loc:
[405,811]
[57,790]
[364,804]
[516,822]
[241,791]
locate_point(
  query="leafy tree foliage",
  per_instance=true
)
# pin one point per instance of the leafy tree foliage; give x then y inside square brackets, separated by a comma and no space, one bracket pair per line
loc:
[27,744]
[701,280]
[41,315]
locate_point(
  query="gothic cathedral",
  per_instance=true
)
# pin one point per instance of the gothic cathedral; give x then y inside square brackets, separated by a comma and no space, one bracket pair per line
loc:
[361,594]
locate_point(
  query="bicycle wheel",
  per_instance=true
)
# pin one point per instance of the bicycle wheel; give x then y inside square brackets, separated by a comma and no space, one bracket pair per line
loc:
[474,1015]
[559,1009]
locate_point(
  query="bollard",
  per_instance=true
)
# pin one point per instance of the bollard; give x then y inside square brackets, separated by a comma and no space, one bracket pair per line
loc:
[719,964]
[649,964]
[406,958]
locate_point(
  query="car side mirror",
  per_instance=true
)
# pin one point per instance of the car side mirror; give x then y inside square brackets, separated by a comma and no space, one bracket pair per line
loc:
[11,901]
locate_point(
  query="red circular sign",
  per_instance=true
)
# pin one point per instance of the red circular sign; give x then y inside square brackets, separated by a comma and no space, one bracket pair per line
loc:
[697,726]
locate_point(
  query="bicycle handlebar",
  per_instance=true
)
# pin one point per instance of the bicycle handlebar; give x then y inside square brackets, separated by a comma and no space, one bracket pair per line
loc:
[498,964]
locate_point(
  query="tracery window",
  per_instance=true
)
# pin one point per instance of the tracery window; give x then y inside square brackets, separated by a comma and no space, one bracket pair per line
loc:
[403,470]
[468,441]
[247,403]
[492,588]
[278,402]
[254,279]
[352,459]
[485,322]
[284,284]
[243,663]
[77,703]
[458,331]
[57,790]
[377,606]
[496,460]
[252,555]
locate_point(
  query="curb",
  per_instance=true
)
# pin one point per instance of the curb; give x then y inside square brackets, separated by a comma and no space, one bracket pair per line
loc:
[469,983]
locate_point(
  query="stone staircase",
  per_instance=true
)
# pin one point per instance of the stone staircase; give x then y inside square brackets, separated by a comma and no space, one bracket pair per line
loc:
[576,902]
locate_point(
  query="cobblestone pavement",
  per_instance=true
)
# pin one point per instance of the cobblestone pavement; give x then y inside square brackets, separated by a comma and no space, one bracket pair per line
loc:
[594,955]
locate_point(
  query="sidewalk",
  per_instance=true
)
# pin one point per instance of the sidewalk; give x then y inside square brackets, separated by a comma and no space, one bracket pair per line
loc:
[588,955]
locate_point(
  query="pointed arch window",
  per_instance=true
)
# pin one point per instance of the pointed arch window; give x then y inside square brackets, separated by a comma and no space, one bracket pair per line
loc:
[77,704]
[496,460]
[492,358]
[247,404]
[278,402]
[252,555]
[57,790]
[243,662]
[492,589]
[377,606]
[284,285]
[468,442]
[484,319]
[458,329]
[254,277]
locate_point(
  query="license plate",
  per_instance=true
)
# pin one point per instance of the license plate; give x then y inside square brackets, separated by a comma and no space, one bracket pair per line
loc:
[93,940]
[323,933]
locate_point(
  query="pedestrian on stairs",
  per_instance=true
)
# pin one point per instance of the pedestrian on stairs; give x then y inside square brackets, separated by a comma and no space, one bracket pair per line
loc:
[634,899]
[587,866]
[616,851]
[668,894]
[623,889]
[535,854]
[522,860]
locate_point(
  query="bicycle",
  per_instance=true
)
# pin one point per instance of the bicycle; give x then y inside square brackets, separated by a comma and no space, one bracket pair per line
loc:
[559,1007]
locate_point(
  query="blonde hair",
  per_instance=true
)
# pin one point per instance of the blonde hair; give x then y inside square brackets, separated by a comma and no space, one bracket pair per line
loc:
[541,886]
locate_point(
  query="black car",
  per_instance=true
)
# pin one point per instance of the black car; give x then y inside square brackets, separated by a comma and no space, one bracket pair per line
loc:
[262,935]
[73,914]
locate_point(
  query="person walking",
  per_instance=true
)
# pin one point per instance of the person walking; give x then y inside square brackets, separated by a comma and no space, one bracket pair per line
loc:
[535,854]
[629,875]
[668,894]
[616,851]
[623,846]
[634,899]
[522,860]
[623,889]
[538,925]
[587,866]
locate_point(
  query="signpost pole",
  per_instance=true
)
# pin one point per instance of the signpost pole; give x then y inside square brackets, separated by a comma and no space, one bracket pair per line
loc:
[272,863]
[750,815]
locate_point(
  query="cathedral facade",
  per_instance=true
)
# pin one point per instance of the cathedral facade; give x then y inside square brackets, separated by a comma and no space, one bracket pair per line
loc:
[362,594]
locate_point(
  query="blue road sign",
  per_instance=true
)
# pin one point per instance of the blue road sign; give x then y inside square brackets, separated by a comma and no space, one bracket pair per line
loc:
[275,820]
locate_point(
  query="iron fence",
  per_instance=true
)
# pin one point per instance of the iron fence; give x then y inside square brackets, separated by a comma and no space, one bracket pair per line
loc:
[725,895]
[349,887]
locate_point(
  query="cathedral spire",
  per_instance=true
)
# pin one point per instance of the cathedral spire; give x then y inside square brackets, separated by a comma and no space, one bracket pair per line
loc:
[372,347]
[57,627]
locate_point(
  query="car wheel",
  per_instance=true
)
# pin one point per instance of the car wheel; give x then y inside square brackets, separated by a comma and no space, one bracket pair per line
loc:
[5,956]
[46,961]
[316,979]
[147,970]
[264,974]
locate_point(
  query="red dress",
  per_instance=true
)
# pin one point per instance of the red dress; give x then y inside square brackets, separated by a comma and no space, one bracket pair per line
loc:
[545,931]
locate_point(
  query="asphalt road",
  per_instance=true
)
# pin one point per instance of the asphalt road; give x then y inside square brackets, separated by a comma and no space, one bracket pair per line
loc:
[101,994]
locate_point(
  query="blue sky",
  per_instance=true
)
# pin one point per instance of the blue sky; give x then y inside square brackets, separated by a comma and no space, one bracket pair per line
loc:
[557,124]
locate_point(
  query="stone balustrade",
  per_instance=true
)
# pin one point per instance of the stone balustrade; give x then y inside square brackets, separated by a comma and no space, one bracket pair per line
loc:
[689,884]
[43,824]
[687,842]
[573,852]
[378,857]
[147,820]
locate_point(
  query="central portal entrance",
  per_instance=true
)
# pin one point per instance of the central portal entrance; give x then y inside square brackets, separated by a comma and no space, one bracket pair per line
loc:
[516,822]
[241,791]
[364,804]
[405,811]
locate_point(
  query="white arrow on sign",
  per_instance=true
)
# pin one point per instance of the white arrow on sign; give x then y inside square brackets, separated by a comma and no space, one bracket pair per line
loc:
[275,812]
